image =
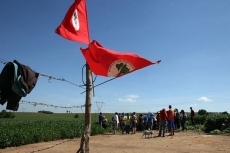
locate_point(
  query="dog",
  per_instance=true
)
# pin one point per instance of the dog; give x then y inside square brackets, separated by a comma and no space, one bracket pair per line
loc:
[147,132]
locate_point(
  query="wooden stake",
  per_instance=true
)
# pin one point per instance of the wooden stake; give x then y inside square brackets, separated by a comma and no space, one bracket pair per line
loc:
[86,134]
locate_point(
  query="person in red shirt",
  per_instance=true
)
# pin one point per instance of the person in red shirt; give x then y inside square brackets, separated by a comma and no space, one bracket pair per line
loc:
[192,116]
[163,122]
[171,120]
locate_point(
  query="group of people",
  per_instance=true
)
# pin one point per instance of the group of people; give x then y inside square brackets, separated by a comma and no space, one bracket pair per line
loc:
[163,121]
[126,122]
[102,120]
[173,119]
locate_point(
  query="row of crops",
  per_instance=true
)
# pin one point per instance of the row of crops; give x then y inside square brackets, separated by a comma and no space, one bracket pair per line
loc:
[31,128]
[17,132]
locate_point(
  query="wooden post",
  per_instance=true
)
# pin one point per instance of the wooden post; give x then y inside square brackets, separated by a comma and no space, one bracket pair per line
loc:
[86,134]
[88,107]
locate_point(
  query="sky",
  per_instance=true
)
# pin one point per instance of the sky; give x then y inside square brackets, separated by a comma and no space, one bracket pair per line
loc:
[191,38]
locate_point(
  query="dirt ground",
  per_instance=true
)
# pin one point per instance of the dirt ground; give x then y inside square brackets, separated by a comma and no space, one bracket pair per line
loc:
[184,142]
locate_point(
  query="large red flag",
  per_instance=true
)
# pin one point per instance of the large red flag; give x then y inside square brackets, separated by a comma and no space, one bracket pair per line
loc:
[106,62]
[75,24]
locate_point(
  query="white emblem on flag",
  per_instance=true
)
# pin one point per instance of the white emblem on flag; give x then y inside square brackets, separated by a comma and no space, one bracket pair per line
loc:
[120,67]
[75,20]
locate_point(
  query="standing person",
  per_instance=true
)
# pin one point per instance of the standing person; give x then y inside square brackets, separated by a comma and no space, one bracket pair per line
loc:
[171,120]
[134,123]
[100,118]
[123,119]
[183,118]
[158,120]
[192,113]
[104,122]
[177,119]
[140,122]
[115,122]
[119,118]
[127,127]
[163,122]
[145,122]
[150,120]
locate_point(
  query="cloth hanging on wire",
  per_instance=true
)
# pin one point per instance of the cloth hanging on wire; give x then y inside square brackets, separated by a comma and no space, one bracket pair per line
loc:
[16,81]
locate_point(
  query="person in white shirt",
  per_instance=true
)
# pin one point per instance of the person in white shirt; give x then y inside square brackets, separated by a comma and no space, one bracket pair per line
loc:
[116,122]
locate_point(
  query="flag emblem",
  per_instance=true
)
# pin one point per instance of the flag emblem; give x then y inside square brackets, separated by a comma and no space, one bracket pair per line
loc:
[120,67]
[106,62]
[75,20]
[75,24]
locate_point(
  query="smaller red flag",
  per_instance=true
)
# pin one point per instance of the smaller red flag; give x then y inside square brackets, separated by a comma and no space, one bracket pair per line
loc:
[75,24]
[106,62]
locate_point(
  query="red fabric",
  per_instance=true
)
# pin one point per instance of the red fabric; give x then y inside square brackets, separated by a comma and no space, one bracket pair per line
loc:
[106,62]
[192,113]
[76,32]
[163,114]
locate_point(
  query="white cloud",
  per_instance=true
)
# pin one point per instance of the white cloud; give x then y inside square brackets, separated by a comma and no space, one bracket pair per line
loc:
[129,98]
[193,105]
[204,99]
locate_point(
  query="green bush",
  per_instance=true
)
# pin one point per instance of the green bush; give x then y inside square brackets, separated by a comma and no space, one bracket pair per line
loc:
[5,114]
[200,119]
[202,112]
[45,112]
[215,132]
[215,121]
[76,116]
[224,112]
[227,130]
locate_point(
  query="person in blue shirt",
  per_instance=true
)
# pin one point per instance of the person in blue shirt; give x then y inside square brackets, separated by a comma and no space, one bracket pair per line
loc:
[150,120]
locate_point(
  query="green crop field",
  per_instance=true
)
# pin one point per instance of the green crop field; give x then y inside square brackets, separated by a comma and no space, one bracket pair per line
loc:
[35,115]
[28,127]
[22,128]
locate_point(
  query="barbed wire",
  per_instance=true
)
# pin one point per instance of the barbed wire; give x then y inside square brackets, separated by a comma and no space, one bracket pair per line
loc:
[49,105]
[48,76]
[57,144]
[59,79]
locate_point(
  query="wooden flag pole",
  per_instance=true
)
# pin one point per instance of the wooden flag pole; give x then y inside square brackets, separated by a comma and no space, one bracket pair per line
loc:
[86,134]
[88,106]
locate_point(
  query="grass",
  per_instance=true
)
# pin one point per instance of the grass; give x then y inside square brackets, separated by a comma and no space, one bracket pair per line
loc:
[35,115]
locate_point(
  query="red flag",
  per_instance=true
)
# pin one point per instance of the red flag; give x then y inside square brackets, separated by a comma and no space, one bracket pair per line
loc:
[106,62]
[75,24]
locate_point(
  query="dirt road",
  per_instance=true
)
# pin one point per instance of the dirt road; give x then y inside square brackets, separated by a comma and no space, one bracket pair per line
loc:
[184,142]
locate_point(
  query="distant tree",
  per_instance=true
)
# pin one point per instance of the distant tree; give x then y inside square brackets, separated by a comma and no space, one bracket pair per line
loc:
[202,112]
[76,116]
[225,112]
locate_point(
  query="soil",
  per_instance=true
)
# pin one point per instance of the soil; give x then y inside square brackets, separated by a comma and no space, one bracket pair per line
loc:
[184,142]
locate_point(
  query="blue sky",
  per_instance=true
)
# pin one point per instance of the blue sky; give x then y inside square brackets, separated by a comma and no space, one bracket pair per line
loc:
[192,38]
